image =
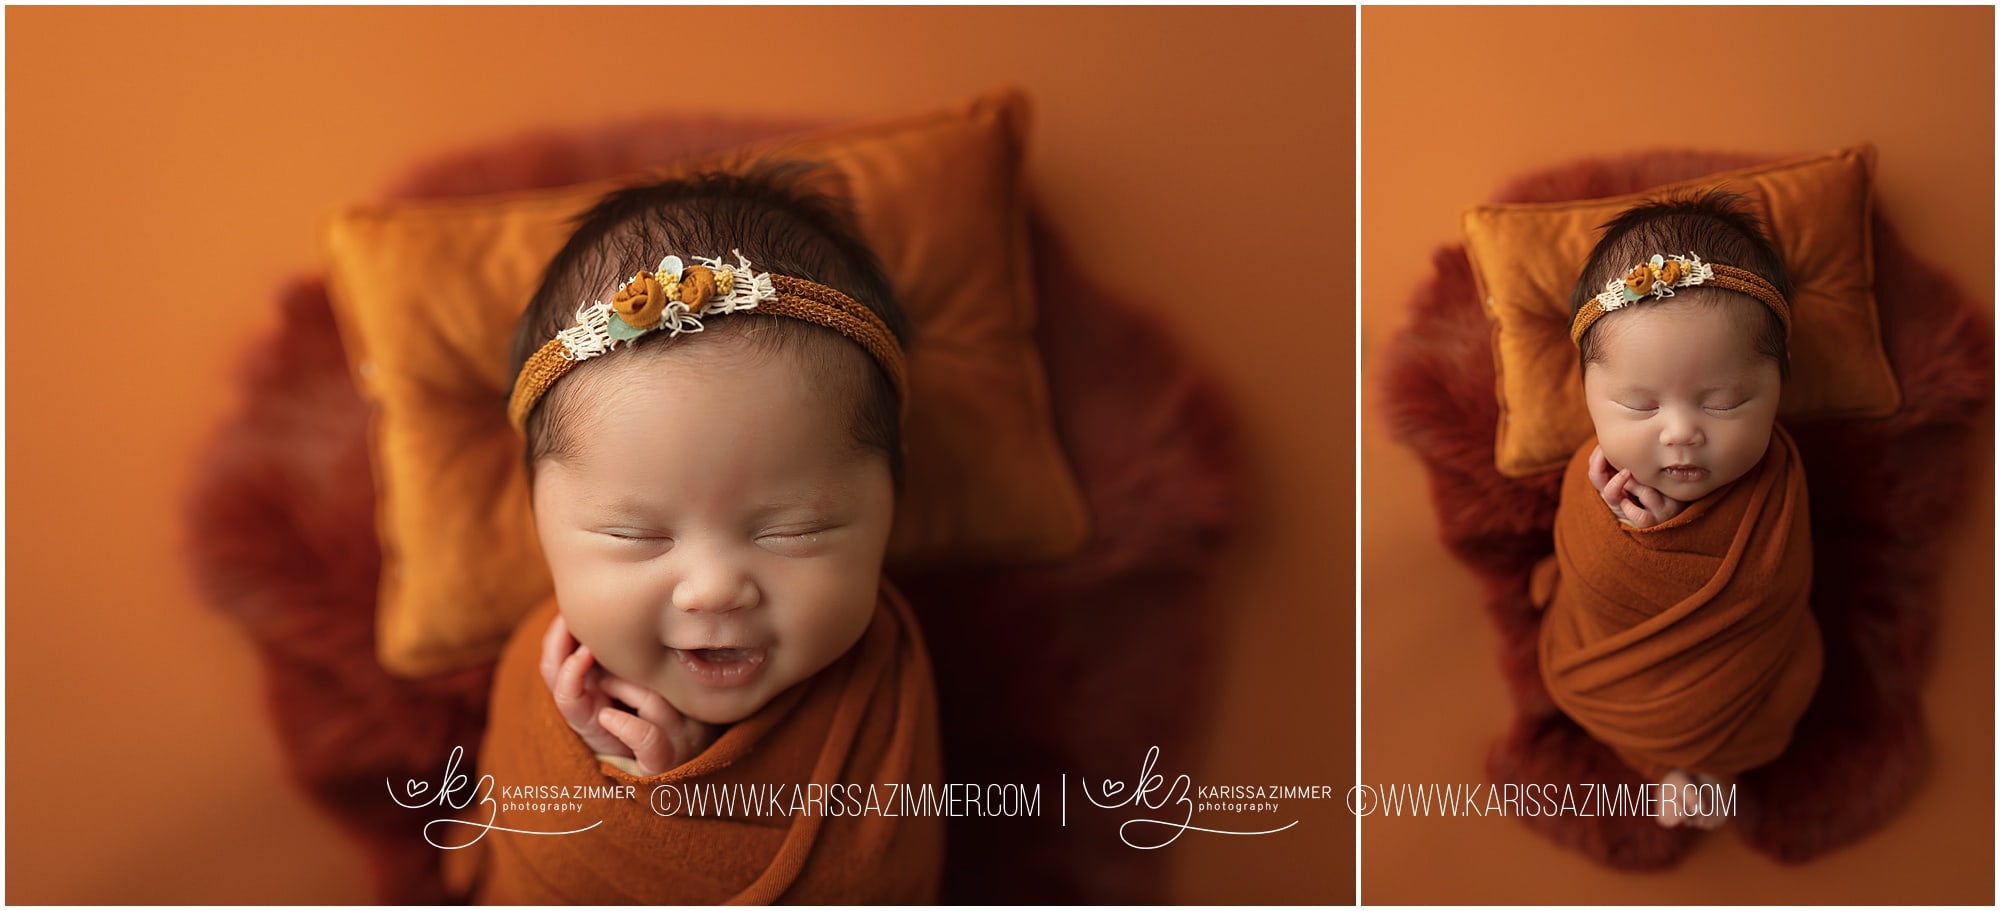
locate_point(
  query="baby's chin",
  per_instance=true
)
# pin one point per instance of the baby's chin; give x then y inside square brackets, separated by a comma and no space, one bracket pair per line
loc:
[715,707]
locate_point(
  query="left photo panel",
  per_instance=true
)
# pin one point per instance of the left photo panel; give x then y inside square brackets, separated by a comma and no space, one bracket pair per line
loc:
[680,456]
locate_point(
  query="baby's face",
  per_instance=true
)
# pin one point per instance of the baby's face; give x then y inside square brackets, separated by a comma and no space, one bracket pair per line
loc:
[718,535]
[1681,396]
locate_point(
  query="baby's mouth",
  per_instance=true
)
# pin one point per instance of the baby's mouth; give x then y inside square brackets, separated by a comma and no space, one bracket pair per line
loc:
[722,667]
[1685,473]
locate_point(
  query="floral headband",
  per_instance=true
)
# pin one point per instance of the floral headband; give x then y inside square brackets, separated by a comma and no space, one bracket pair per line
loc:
[674,297]
[1659,277]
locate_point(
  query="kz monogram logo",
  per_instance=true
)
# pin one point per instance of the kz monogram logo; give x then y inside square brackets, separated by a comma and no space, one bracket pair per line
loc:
[1173,804]
[456,792]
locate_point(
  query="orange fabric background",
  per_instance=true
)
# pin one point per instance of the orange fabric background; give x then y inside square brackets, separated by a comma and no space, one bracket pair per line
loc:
[1454,102]
[197,150]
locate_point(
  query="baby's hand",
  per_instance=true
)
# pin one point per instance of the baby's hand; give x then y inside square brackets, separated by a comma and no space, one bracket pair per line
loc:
[657,738]
[1638,504]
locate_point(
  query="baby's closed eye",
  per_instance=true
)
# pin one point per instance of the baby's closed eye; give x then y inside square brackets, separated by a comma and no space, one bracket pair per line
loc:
[797,540]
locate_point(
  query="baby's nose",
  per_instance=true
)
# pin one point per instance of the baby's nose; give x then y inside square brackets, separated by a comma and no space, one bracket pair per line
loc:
[1681,433]
[715,590]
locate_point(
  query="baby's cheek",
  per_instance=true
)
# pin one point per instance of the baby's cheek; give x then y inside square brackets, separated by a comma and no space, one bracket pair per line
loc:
[621,641]
[587,595]
[1624,448]
[840,615]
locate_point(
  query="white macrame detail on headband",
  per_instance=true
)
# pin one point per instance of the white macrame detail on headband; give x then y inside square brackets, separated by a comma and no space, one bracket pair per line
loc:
[591,336]
[749,287]
[1688,272]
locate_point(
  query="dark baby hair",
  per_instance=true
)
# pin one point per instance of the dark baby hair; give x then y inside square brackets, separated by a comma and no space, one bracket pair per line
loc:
[1716,224]
[766,211]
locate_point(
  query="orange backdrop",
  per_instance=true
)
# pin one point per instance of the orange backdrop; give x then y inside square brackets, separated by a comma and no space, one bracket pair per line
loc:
[1454,102]
[197,150]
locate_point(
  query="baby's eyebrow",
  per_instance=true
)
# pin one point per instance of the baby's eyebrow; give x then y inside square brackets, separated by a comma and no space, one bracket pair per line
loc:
[816,499]
[811,500]
[621,507]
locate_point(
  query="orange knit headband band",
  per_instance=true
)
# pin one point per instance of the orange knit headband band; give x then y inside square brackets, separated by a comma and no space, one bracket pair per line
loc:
[1659,277]
[674,298]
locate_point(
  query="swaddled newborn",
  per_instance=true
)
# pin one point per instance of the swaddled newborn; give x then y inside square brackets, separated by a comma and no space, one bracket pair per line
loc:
[710,384]
[1677,628]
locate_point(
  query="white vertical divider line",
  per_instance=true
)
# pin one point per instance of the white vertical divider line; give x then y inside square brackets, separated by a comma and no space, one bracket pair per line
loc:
[1358,266]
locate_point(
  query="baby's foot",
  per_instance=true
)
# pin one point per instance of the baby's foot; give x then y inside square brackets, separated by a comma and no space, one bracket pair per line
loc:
[1702,790]
[1670,798]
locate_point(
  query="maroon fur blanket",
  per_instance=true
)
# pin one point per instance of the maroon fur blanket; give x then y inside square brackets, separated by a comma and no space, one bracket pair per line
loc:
[283,542]
[1875,582]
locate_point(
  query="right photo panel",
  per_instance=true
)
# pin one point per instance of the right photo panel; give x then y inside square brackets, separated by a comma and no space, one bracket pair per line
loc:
[1676,455]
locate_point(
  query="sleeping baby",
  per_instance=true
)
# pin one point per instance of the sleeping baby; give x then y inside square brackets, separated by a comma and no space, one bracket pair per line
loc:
[1676,627]
[711,387]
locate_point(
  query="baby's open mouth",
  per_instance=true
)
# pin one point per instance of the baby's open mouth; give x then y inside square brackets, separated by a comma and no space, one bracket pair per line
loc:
[1685,472]
[722,666]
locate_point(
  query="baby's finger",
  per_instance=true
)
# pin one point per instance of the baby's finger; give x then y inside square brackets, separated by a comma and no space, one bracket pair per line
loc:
[1639,516]
[1600,468]
[1649,497]
[1614,490]
[650,705]
[570,680]
[556,645]
[647,742]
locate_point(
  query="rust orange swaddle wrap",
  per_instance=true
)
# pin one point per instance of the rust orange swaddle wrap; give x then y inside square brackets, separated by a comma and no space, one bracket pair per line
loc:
[1690,644]
[870,718]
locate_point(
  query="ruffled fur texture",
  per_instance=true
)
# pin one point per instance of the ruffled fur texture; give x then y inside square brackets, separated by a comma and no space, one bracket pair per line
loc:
[1876,569]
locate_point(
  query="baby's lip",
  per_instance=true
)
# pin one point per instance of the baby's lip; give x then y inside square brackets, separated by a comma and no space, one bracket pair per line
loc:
[724,653]
[722,668]
[718,646]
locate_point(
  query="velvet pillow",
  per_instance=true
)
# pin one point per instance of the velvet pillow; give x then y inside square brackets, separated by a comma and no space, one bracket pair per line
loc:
[1526,258]
[428,292]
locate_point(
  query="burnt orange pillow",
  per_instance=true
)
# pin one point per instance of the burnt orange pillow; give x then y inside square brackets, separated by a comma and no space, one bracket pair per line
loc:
[938,197]
[1526,258]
